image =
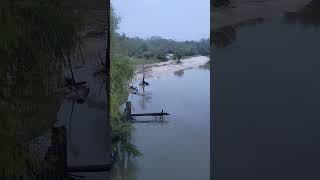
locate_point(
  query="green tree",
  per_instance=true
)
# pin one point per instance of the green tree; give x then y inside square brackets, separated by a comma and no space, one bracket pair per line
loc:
[35,38]
[121,74]
[177,56]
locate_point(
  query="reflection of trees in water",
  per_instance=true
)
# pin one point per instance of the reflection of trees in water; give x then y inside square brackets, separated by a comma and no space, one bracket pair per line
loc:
[225,36]
[308,15]
[124,169]
[206,66]
[124,150]
[145,97]
[179,73]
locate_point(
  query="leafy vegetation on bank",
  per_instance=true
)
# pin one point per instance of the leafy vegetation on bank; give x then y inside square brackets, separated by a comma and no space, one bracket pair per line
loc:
[121,73]
[158,48]
[35,38]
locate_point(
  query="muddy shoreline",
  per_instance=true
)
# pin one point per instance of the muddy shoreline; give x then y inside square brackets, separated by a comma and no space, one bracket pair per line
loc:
[171,66]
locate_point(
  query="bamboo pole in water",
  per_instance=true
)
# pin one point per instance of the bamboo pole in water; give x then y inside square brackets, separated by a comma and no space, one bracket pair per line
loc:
[151,114]
[90,168]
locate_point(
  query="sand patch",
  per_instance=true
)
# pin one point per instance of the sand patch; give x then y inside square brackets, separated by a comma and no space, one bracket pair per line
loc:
[157,70]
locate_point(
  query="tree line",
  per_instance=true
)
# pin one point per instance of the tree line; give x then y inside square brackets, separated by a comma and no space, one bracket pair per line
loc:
[158,48]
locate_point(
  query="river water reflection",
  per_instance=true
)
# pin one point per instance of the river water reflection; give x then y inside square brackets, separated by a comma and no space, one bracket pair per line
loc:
[179,147]
[266,101]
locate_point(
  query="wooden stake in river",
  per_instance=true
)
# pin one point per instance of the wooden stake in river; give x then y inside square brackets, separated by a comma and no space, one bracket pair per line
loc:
[128,116]
[161,114]
[145,73]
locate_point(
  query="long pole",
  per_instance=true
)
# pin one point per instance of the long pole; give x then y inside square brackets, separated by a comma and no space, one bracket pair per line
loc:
[107,63]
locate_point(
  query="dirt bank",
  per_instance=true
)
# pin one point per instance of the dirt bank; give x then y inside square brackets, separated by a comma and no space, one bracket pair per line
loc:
[163,68]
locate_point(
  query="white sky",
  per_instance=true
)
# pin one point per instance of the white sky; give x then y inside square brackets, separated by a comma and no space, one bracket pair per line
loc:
[172,19]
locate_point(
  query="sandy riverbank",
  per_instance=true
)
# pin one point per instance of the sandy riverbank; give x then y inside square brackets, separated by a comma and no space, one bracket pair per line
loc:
[244,10]
[168,67]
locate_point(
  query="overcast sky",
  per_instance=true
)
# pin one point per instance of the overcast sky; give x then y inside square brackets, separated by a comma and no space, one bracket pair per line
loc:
[172,19]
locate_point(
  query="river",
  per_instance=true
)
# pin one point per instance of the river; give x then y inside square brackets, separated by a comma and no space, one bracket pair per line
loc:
[179,147]
[266,99]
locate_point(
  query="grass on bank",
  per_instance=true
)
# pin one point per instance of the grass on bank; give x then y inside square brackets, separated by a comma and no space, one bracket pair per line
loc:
[35,37]
[121,73]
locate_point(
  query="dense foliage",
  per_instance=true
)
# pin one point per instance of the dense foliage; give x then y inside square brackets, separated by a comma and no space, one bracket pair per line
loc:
[35,37]
[158,48]
[121,73]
